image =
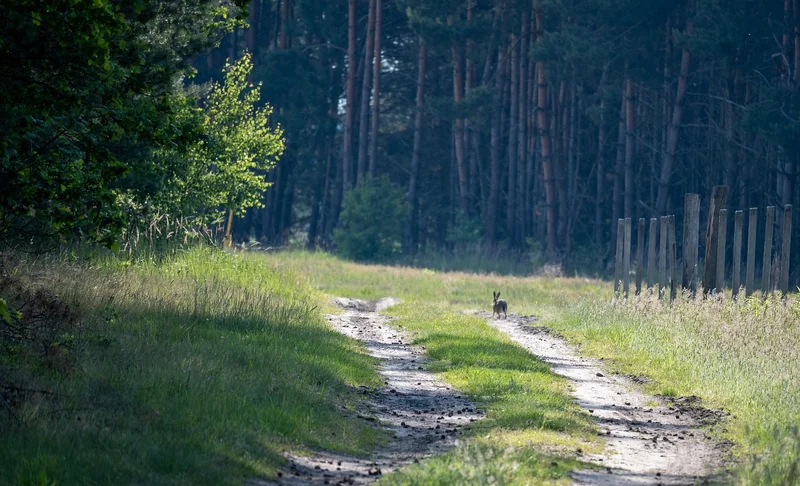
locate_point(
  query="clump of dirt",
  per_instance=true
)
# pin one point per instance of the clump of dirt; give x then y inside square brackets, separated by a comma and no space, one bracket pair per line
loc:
[638,379]
[691,406]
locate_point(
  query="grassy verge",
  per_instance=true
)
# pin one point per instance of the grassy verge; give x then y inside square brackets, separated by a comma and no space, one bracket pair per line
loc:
[199,370]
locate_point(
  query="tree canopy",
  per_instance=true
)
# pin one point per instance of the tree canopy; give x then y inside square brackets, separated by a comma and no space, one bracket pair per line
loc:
[89,90]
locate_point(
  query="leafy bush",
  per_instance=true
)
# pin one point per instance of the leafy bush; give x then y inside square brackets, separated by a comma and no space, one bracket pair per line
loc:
[371,224]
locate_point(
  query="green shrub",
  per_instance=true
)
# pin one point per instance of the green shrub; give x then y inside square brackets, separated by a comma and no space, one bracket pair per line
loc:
[371,224]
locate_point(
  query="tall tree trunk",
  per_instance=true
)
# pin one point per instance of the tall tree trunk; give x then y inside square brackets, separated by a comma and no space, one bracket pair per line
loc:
[376,89]
[233,48]
[796,9]
[313,223]
[458,132]
[511,208]
[573,156]
[728,176]
[544,128]
[668,158]
[600,176]
[285,24]
[469,135]
[619,169]
[630,127]
[366,85]
[288,203]
[325,200]
[412,226]
[531,167]
[559,124]
[522,125]
[252,32]
[347,143]
[332,195]
[495,137]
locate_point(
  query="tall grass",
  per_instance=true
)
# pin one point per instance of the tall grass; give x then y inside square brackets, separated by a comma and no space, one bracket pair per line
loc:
[197,370]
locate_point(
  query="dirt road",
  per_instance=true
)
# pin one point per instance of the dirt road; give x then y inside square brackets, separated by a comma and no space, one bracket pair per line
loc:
[650,441]
[422,412]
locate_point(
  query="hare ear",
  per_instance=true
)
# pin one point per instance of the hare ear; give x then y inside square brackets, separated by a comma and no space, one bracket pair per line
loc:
[494,294]
[498,295]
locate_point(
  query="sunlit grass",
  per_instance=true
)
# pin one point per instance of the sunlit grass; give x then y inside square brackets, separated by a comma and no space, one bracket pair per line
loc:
[200,370]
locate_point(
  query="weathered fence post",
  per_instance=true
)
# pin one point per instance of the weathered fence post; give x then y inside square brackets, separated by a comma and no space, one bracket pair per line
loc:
[722,236]
[673,264]
[752,229]
[662,258]
[640,255]
[651,254]
[786,247]
[736,281]
[691,239]
[626,263]
[618,261]
[719,199]
[766,273]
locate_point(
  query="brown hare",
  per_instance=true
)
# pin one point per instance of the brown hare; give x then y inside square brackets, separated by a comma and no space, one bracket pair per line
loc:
[500,305]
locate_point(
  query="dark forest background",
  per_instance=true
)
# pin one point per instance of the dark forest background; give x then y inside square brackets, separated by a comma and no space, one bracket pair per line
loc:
[522,126]
[395,130]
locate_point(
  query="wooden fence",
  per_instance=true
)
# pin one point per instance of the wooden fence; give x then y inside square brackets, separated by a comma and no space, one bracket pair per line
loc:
[665,273]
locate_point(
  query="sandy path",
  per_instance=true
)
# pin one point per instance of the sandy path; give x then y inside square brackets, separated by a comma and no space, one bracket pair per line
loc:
[423,413]
[653,445]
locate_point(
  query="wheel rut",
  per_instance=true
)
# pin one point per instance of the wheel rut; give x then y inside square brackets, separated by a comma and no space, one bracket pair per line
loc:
[647,444]
[423,414]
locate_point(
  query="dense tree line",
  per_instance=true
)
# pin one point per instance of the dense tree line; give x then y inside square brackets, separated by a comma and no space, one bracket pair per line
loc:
[510,126]
[526,124]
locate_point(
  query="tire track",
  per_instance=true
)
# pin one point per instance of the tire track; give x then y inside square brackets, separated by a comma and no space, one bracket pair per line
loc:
[646,445]
[423,413]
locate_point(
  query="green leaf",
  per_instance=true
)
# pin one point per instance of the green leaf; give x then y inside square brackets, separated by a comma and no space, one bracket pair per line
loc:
[5,315]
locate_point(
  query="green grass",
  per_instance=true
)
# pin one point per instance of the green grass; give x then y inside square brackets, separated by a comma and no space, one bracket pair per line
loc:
[200,370]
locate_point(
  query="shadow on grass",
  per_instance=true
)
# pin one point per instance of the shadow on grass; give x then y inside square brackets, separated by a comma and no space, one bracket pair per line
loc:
[170,392]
